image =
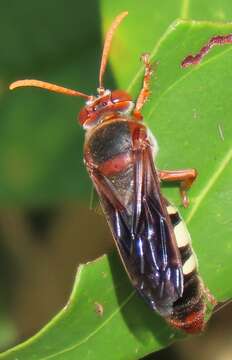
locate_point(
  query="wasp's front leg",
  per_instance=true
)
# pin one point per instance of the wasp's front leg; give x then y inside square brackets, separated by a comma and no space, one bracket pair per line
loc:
[145,91]
[186,178]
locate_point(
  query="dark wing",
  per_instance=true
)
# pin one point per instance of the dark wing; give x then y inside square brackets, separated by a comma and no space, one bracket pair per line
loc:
[143,232]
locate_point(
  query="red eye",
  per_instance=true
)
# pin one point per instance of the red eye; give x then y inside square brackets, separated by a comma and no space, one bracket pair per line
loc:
[119,95]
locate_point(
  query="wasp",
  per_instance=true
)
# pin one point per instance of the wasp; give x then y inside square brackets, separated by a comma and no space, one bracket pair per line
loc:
[150,235]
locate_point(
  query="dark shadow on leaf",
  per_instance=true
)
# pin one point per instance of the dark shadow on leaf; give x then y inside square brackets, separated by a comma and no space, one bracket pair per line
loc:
[140,319]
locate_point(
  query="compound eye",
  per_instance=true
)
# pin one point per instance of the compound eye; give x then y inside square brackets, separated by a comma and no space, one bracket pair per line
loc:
[119,95]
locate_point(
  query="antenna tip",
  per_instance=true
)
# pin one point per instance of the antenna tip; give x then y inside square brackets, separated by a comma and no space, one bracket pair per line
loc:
[123,14]
[17,84]
[12,86]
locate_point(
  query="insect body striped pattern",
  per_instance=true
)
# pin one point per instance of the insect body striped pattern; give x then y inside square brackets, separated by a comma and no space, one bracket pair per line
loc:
[188,310]
[152,240]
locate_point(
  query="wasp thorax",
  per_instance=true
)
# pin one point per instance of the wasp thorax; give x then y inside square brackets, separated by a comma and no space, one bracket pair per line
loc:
[104,107]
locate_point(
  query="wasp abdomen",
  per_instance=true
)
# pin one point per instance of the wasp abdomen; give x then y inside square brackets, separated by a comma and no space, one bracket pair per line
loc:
[189,309]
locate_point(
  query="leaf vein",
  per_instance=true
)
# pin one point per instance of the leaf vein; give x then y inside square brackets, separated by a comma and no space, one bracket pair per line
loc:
[184,76]
[225,161]
[185,9]
[153,52]
[122,305]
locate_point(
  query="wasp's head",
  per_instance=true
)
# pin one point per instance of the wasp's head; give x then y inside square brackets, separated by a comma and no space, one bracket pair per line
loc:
[104,107]
[107,104]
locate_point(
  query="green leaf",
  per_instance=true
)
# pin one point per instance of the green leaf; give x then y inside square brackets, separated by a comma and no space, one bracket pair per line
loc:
[187,109]
[147,24]
[124,331]
[191,118]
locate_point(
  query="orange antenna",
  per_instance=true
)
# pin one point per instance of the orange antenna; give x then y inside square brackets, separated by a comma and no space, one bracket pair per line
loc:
[48,86]
[106,48]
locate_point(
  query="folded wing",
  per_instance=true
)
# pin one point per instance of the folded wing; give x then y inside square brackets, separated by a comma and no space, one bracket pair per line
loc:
[143,232]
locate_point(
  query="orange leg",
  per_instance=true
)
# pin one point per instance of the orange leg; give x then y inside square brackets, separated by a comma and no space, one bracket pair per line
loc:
[145,91]
[185,177]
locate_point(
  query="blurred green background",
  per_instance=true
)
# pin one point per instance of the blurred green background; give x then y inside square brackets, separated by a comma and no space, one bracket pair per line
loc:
[46,225]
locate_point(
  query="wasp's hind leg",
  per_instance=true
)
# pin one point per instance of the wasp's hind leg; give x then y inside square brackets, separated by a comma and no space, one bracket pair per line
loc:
[145,91]
[185,177]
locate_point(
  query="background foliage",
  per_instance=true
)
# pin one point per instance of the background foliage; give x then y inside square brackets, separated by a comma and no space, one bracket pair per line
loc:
[44,188]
